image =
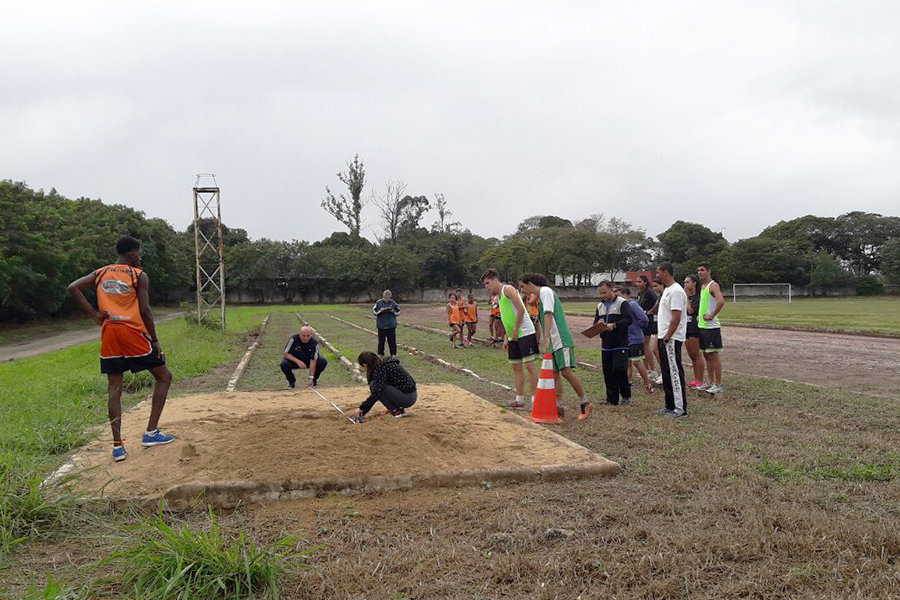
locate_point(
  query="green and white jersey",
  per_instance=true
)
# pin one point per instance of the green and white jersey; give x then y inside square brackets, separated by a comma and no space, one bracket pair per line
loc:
[558,328]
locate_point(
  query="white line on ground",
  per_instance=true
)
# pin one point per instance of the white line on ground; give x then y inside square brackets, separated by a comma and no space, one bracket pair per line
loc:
[232,383]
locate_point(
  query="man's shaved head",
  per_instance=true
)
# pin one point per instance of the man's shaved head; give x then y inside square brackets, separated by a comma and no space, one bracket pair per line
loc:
[306,333]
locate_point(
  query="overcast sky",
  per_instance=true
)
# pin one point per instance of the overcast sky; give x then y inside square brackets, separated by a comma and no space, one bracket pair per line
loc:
[731,114]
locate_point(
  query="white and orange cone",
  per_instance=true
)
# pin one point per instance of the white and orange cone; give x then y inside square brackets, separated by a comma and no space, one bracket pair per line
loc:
[544,409]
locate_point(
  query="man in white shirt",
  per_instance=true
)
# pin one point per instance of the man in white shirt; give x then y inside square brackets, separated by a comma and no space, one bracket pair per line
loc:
[672,331]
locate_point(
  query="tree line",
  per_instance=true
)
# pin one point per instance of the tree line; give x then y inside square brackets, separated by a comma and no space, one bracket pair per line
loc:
[47,240]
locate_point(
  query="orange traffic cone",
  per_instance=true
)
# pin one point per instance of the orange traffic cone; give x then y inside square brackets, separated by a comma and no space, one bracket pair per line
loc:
[544,410]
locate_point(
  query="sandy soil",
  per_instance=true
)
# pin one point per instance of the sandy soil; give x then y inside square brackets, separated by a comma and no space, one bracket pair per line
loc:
[857,363]
[58,341]
[273,436]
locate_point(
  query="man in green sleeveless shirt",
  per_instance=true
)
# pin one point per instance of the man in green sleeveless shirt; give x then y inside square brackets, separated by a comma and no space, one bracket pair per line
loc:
[556,338]
[520,338]
[711,303]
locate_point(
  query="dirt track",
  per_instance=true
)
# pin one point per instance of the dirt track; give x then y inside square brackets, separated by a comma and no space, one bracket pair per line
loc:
[58,341]
[856,363]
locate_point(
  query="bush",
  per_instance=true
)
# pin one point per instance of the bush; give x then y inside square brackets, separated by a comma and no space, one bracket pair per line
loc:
[212,320]
[173,562]
[868,285]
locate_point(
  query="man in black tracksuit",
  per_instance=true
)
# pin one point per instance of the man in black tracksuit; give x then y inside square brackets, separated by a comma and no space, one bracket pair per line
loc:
[615,313]
[302,352]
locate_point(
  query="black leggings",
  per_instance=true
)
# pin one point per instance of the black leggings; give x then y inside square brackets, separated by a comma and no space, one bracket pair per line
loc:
[392,398]
[391,336]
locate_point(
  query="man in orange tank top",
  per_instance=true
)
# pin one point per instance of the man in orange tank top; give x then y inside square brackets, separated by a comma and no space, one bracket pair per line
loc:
[127,336]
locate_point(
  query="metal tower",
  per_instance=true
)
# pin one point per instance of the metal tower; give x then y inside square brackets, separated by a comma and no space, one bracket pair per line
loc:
[209,248]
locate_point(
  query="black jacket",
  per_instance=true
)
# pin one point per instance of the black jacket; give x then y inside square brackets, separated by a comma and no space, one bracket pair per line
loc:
[308,352]
[389,372]
[619,313]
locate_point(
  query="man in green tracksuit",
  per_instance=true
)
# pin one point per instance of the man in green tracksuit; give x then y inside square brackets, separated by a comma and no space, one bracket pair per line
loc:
[520,335]
[557,338]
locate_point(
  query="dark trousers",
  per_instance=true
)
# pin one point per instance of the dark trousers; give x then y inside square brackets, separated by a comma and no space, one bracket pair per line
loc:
[392,398]
[673,375]
[615,375]
[288,366]
[391,336]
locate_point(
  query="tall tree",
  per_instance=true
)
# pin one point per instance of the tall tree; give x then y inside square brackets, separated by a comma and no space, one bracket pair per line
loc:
[389,203]
[444,214]
[348,209]
[683,242]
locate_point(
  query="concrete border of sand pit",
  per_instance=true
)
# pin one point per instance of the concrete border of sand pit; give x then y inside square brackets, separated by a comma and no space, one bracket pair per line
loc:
[229,494]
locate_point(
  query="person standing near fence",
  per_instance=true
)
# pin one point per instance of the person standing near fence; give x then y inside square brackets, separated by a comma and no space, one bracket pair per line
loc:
[386,311]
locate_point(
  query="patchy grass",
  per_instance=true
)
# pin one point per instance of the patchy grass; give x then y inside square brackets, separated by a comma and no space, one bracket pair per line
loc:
[772,490]
[174,561]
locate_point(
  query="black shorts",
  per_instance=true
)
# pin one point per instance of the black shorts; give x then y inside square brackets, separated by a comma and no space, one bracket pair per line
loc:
[524,349]
[650,328]
[693,330]
[636,352]
[711,340]
[135,364]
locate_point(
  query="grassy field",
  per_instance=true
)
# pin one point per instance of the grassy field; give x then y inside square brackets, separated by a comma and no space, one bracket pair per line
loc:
[773,490]
[856,315]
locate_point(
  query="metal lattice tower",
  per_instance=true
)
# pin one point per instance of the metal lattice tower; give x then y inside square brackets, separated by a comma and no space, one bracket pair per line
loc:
[209,248]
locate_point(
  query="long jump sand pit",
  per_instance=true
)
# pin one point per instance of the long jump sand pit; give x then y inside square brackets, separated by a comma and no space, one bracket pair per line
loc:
[264,446]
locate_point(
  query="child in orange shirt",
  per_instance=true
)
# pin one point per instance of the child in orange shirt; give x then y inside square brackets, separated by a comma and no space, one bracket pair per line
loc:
[455,319]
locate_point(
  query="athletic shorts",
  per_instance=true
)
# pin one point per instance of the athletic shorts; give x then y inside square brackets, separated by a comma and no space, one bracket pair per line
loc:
[693,330]
[495,317]
[711,340]
[563,358]
[650,328]
[636,352]
[455,325]
[523,350]
[123,348]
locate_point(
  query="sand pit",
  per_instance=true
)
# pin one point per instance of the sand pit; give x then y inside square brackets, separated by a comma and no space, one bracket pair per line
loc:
[259,446]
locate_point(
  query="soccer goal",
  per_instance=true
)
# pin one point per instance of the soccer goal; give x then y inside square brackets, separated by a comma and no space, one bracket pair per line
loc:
[761,291]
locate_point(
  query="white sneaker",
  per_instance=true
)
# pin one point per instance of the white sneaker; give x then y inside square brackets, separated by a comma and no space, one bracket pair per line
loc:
[715,389]
[658,380]
[703,388]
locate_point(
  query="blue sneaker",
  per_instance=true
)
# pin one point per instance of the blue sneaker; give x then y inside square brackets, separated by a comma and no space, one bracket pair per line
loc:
[119,453]
[157,438]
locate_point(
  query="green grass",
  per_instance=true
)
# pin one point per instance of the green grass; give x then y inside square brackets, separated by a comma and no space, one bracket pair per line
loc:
[13,333]
[853,315]
[174,562]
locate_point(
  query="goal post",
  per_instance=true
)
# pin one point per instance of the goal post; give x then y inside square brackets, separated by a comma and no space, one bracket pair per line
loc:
[761,291]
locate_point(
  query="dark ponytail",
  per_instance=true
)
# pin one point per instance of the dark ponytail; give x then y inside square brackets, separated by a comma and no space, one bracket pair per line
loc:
[370,361]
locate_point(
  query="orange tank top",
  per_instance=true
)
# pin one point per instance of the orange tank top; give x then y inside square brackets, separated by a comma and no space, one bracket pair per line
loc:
[495,305]
[533,304]
[117,295]
[454,312]
[473,311]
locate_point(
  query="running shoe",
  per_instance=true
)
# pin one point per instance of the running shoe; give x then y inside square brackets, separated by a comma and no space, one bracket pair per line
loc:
[586,409]
[714,389]
[658,380]
[703,388]
[626,400]
[516,405]
[291,384]
[119,453]
[399,413]
[695,384]
[674,414]
[648,389]
[157,438]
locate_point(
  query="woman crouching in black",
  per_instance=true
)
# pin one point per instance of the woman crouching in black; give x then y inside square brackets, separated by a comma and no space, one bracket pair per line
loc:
[389,383]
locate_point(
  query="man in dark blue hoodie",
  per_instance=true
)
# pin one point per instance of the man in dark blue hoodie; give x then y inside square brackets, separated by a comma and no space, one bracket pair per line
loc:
[615,314]
[386,311]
